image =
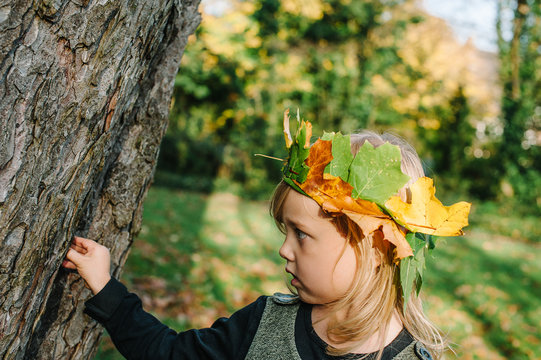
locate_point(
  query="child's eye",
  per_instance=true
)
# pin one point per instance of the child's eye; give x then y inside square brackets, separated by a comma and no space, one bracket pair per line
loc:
[299,234]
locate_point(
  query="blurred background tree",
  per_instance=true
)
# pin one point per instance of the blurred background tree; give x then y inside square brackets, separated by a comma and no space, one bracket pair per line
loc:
[519,150]
[348,65]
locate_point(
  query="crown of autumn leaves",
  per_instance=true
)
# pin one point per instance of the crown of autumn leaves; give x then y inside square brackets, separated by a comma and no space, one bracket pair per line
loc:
[364,187]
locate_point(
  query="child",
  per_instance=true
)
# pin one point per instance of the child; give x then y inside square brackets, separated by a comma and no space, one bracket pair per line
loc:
[357,214]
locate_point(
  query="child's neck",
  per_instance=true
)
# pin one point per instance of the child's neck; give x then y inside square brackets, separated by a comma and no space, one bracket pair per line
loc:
[320,321]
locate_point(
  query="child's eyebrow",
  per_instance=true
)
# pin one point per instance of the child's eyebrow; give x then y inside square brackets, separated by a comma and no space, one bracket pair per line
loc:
[294,223]
[287,221]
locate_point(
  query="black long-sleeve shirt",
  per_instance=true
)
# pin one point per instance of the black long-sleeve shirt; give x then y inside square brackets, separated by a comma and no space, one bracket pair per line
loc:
[139,335]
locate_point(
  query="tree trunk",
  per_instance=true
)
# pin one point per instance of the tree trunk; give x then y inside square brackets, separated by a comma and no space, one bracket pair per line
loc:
[518,23]
[85,88]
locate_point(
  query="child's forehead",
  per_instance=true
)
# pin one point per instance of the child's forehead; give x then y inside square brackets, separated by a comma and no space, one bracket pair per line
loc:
[298,207]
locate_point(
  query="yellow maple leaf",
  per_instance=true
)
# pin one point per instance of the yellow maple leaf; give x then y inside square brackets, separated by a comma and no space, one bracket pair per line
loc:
[426,213]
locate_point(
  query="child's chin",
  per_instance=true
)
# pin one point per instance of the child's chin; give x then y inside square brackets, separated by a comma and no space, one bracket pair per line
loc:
[306,298]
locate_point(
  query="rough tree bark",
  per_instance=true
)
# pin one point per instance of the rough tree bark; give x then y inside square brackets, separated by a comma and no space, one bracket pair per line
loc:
[85,88]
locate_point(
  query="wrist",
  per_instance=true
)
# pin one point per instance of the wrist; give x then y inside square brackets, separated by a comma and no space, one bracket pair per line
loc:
[97,285]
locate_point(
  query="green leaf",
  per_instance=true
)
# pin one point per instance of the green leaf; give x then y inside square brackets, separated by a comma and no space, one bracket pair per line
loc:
[342,157]
[296,167]
[375,173]
[294,186]
[418,283]
[416,241]
[327,136]
[420,258]
[407,274]
[412,267]
[431,241]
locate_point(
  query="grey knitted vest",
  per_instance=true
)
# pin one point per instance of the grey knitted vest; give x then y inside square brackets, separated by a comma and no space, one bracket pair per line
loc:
[275,336]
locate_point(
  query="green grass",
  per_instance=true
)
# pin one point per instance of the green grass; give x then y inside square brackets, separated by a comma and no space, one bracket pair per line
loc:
[199,257]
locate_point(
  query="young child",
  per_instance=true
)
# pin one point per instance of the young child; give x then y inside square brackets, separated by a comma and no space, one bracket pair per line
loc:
[357,214]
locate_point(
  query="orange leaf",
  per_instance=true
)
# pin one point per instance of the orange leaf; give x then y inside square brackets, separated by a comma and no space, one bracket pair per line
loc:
[308,136]
[426,213]
[390,230]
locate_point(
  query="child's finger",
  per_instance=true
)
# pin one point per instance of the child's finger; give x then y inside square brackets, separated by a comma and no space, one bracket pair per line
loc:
[84,243]
[78,248]
[68,265]
[74,257]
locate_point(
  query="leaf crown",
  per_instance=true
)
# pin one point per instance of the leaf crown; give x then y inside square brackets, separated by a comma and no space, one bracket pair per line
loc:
[364,187]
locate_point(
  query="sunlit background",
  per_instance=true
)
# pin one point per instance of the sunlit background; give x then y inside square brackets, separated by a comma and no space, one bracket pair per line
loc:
[459,79]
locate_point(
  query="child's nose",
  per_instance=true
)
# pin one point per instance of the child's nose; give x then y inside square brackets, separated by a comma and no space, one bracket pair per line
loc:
[286,251]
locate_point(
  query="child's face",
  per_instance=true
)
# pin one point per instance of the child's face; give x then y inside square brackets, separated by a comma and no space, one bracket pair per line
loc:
[318,256]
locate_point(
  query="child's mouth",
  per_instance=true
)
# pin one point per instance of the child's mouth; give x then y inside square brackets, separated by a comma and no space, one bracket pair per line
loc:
[294,280]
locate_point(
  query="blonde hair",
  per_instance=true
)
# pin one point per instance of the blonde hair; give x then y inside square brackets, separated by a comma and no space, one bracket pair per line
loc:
[375,294]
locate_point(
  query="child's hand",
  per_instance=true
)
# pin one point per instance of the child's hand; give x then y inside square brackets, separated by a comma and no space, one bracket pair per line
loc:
[91,260]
